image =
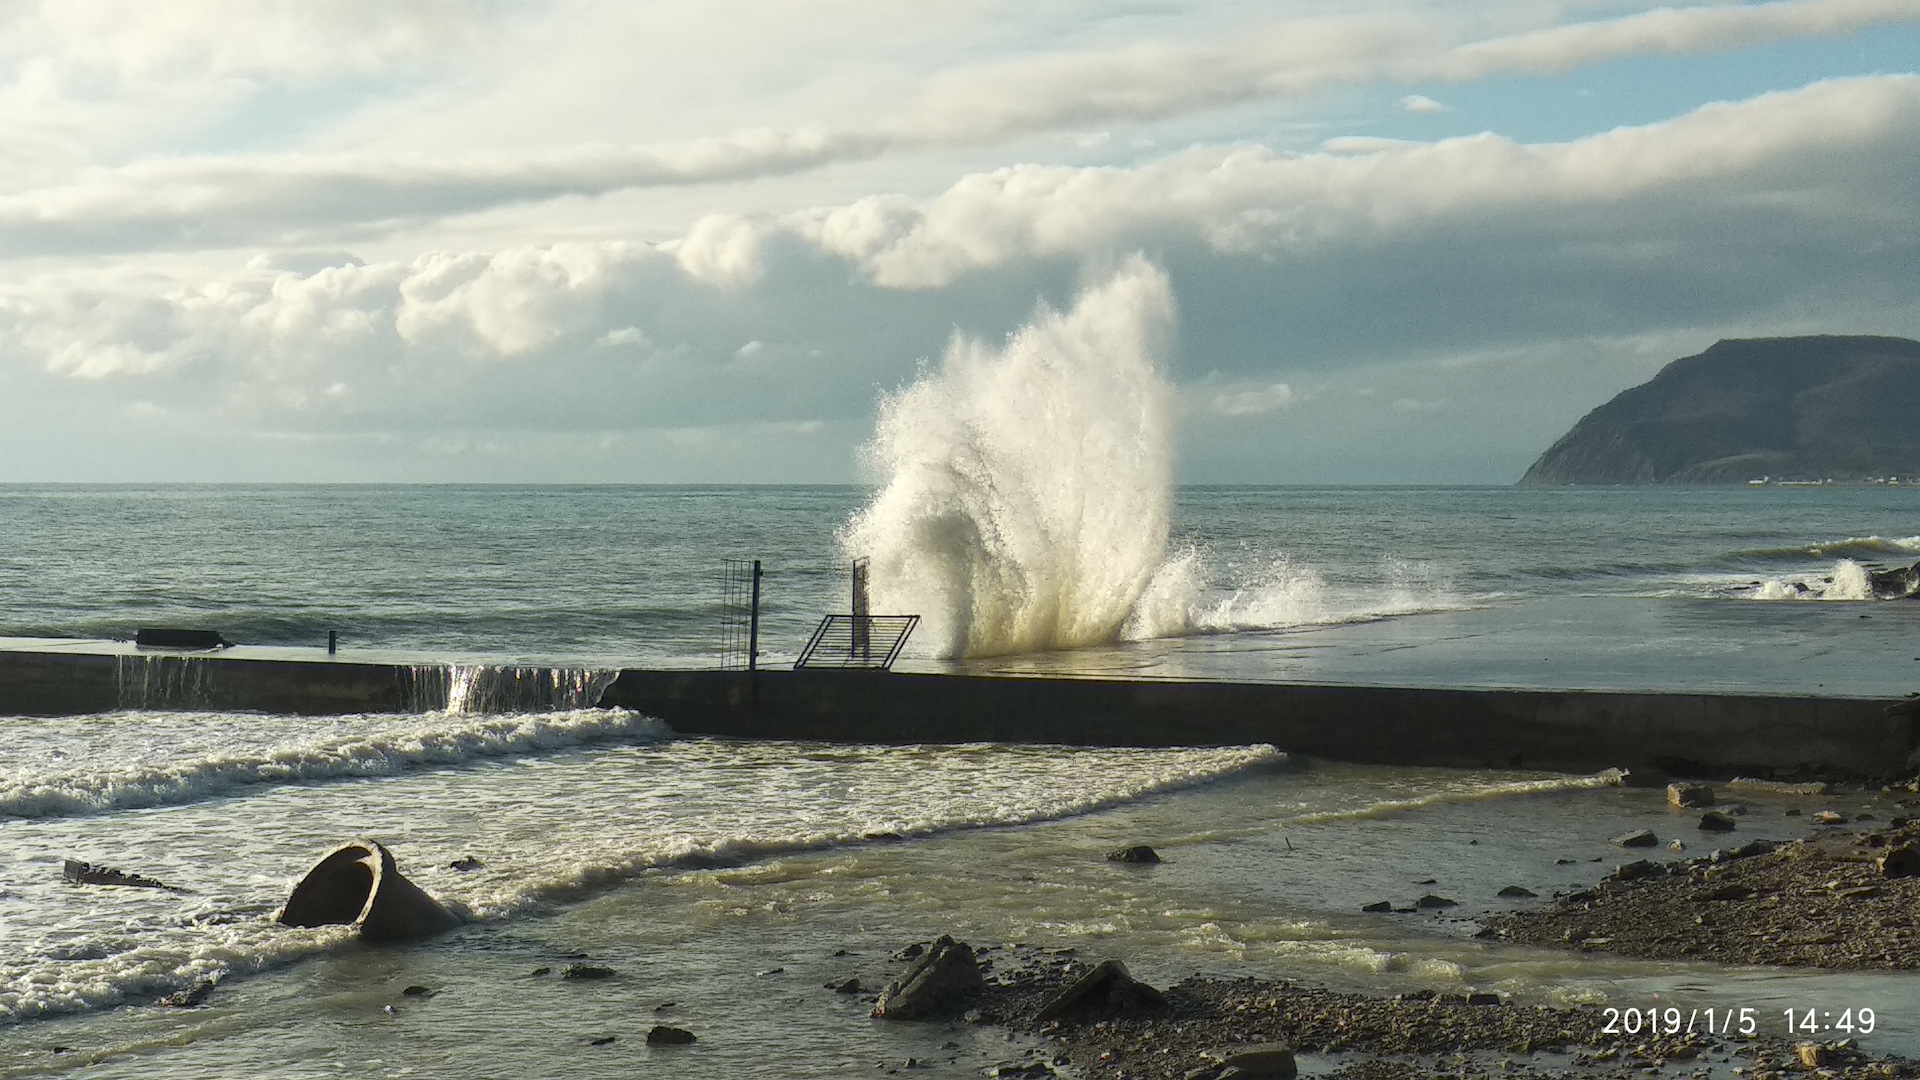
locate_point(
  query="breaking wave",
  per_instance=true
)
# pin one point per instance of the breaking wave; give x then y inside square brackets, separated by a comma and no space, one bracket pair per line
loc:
[675,805]
[1027,494]
[1848,581]
[428,741]
[1028,489]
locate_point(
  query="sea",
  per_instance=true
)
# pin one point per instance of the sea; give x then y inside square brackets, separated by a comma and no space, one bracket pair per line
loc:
[729,884]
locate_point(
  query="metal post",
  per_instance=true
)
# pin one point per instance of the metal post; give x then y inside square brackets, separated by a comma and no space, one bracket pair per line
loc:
[333,642]
[753,623]
[861,641]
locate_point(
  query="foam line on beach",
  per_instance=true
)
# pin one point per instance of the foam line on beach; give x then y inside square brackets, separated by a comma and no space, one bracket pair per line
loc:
[435,740]
[1505,790]
[565,881]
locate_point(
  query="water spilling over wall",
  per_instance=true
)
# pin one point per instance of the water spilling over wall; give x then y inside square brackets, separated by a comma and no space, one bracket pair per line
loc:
[171,682]
[161,681]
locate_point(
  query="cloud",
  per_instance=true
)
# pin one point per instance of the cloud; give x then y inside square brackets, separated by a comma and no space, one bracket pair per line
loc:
[1250,200]
[1668,30]
[1477,269]
[1255,402]
[1419,103]
[67,197]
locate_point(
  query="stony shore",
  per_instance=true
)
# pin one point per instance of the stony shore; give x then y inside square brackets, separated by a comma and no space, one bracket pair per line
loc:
[1845,896]
[1203,1022]
[1842,898]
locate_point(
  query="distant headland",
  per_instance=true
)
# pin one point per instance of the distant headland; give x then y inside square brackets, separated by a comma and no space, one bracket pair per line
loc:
[1781,410]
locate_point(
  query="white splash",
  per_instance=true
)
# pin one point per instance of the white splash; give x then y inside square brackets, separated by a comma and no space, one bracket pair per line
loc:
[1028,489]
[1849,581]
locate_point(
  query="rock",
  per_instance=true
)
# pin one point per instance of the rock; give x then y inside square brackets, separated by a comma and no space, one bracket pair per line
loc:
[86,873]
[1431,902]
[1634,870]
[1263,1059]
[602,1040]
[938,979]
[587,971]
[1829,817]
[1813,1055]
[1637,838]
[539,971]
[662,1035]
[1483,998]
[1777,787]
[1515,892]
[416,990]
[911,952]
[1106,990]
[1378,907]
[1902,861]
[1715,821]
[851,986]
[190,998]
[465,863]
[1646,776]
[1688,796]
[1676,846]
[1024,1070]
[1139,853]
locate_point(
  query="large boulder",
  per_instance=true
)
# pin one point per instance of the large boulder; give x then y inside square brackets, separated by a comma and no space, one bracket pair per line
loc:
[1107,990]
[940,978]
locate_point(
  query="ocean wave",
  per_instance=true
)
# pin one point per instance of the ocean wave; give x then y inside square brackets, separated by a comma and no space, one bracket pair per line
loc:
[568,879]
[147,944]
[1848,581]
[435,740]
[1852,547]
[1180,601]
[1502,790]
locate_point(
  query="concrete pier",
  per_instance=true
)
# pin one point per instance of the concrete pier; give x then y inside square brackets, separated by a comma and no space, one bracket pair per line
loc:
[1703,735]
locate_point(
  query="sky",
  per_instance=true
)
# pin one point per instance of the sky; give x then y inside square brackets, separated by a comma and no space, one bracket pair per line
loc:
[613,241]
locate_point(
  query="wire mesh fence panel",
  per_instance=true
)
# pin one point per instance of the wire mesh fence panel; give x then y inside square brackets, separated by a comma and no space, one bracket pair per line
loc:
[737,614]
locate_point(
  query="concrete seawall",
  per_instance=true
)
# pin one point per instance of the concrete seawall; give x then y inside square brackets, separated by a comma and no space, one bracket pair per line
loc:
[1576,731]
[70,678]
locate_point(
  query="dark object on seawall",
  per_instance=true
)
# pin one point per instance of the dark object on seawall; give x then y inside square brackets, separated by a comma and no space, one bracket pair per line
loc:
[358,884]
[1795,408]
[165,638]
[86,873]
[1138,853]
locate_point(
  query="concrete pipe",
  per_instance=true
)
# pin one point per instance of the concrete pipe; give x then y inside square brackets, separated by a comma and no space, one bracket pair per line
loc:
[359,885]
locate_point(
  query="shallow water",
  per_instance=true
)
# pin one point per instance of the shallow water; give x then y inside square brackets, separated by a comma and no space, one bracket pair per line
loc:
[698,867]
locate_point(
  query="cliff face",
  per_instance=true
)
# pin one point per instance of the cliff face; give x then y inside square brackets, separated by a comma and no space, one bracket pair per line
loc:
[1806,408]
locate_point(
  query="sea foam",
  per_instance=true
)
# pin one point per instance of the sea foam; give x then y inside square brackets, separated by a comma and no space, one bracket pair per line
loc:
[49,787]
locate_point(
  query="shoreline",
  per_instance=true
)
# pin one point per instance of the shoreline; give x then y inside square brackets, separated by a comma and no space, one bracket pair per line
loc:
[1200,1024]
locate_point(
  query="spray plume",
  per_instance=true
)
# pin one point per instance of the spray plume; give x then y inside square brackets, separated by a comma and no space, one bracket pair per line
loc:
[1027,490]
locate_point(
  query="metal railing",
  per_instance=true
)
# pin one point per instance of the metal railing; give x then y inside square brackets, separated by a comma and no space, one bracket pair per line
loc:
[857,641]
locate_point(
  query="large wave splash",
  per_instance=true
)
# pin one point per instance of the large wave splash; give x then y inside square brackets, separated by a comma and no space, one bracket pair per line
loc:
[1028,489]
